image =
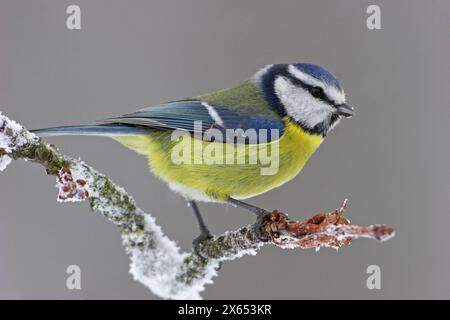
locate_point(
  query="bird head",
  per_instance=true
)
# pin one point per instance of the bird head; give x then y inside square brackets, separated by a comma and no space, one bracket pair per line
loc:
[306,93]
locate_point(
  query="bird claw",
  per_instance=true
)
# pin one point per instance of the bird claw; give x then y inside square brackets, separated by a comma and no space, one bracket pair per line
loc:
[258,227]
[266,217]
[198,243]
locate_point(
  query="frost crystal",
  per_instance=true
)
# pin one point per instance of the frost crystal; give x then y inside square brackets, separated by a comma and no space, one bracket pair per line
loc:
[12,136]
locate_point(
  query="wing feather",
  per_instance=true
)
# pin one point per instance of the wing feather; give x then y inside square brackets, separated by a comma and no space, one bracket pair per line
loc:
[188,115]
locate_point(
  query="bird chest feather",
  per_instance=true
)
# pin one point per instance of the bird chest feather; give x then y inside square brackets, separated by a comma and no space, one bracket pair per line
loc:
[220,180]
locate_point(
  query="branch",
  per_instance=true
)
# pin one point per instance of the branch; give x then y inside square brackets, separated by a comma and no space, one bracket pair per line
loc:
[156,261]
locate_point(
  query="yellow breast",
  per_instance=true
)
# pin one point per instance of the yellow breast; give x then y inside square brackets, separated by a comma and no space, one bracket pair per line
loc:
[206,181]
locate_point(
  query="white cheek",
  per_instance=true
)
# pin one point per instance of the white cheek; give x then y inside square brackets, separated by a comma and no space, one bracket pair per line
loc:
[300,105]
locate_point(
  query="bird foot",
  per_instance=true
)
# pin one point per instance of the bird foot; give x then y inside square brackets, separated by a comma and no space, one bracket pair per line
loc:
[265,219]
[199,242]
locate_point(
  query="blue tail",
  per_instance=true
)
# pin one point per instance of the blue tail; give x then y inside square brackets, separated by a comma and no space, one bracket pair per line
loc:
[92,130]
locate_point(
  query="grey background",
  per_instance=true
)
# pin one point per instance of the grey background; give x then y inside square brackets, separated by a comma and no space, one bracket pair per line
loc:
[391,159]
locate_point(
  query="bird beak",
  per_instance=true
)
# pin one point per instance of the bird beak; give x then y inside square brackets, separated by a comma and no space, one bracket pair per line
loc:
[344,110]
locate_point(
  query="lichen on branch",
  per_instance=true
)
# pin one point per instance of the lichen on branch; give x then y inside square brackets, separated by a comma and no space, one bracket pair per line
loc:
[156,261]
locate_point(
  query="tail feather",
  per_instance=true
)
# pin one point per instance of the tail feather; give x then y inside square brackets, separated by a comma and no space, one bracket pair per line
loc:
[91,130]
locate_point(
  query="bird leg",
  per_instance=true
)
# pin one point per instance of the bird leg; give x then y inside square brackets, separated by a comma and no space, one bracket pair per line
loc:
[249,207]
[205,234]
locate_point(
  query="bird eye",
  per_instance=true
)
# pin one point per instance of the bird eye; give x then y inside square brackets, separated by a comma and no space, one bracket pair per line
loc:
[317,92]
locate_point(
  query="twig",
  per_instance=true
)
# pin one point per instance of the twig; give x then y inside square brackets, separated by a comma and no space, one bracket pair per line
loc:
[156,261]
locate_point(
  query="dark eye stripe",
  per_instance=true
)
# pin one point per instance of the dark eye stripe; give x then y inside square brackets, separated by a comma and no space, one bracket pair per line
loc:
[322,96]
[317,92]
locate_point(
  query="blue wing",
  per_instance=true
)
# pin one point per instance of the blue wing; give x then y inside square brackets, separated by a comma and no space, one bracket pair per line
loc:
[194,116]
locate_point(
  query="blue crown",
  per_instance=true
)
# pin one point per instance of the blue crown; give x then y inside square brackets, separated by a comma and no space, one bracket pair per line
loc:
[319,73]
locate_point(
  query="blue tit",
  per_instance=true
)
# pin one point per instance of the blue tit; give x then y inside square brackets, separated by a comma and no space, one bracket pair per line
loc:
[300,102]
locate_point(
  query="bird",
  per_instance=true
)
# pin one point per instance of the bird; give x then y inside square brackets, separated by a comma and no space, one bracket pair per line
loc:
[301,102]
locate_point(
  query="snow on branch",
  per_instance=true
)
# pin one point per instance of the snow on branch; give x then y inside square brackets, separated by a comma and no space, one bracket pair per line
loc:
[156,261]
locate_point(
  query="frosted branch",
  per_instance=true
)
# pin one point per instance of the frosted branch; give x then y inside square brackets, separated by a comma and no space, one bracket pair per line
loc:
[156,261]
